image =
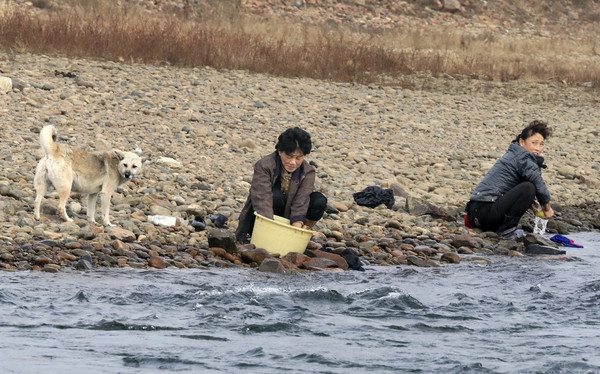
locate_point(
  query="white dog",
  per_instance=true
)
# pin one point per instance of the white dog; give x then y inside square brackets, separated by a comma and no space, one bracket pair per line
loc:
[72,169]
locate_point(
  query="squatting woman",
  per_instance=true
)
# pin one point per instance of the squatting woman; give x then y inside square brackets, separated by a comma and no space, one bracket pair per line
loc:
[283,185]
[513,185]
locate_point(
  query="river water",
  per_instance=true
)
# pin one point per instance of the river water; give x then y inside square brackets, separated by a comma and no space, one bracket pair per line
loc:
[517,315]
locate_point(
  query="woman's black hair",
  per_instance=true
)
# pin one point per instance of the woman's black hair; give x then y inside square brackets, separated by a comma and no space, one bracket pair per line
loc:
[535,127]
[293,139]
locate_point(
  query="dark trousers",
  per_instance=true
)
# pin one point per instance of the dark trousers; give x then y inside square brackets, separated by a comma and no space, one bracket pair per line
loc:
[316,206]
[505,212]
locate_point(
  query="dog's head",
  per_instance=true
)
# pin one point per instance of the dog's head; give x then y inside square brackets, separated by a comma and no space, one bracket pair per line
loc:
[130,164]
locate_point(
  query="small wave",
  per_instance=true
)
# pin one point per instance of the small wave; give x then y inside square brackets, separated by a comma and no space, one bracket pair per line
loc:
[445,328]
[590,287]
[452,316]
[330,296]
[270,327]
[162,363]
[467,369]
[396,327]
[8,298]
[255,352]
[316,359]
[80,297]
[568,367]
[205,337]
[384,302]
[117,326]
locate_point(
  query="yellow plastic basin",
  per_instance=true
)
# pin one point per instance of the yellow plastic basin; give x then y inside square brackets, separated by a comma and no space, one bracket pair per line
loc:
[278,236]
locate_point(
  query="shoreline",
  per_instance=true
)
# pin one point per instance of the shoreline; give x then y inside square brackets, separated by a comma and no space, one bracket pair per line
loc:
[201,130]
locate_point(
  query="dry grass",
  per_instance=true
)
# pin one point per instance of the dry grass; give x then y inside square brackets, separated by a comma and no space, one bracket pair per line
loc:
[230,40]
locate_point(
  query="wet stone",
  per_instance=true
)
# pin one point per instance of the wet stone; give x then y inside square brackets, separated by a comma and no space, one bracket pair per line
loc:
[452,258]
[538,249]
[424,250]
[464,250]
[83,265]
[157,262]
[42,260]
[125,253]
[296,258]
[109,259]
[142,254]
[272,265]
[417,261]
[320,263]
[256,255]
[339,260]
[464,240]
[51,268]
[223,239]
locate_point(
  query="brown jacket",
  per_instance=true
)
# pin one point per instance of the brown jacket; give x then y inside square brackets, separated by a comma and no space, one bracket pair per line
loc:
[266,172]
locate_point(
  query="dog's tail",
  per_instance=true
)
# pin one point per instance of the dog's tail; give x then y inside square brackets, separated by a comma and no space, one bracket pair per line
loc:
[48,140]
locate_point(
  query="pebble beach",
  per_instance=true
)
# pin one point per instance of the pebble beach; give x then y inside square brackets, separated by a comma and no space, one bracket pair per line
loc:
[200,131]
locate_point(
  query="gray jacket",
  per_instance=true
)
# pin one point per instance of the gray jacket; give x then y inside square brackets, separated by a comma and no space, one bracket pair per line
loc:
[266,172]
[516,166]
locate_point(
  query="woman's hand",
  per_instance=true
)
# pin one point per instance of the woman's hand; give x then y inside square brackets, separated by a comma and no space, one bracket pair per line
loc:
[298,224]
[535,206]
[548,212]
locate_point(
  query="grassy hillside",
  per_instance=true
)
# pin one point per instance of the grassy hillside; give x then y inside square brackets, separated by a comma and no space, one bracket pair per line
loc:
[363,41]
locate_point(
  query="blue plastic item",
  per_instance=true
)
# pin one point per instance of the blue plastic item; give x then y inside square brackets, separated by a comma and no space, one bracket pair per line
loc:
[565,242]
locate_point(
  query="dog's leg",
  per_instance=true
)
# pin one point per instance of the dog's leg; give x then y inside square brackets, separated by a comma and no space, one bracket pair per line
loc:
[91,209]
[63,195]
[63,183]
[41,186]
[105,201]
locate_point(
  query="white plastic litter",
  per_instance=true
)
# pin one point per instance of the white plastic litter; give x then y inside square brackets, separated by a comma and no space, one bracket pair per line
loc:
[539,226]
[5,85]
[163,220]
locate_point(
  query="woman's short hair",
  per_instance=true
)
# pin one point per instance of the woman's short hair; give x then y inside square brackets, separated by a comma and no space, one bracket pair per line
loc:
[535,127]
[294,139]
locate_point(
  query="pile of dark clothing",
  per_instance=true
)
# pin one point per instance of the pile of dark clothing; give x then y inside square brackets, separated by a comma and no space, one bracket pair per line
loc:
[374,196]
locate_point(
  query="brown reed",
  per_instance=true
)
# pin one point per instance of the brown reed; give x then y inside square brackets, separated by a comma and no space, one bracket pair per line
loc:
[228,39]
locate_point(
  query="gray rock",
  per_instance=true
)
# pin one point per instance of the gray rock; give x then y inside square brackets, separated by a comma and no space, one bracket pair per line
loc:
[51,268]
[398,190]
[84,265]
[222,238]
[122,234]
[420,207]
[538,249]
[109,259]
[464,240]
[539,239]
[80,252]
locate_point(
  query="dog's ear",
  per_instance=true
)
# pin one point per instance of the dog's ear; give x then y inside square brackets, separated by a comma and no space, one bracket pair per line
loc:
[120,155]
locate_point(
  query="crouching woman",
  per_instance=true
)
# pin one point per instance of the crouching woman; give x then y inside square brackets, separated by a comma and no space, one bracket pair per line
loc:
[283,185]
[513,185]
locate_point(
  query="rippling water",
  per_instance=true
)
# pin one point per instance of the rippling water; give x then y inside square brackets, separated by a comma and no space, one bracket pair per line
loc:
[517,315]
